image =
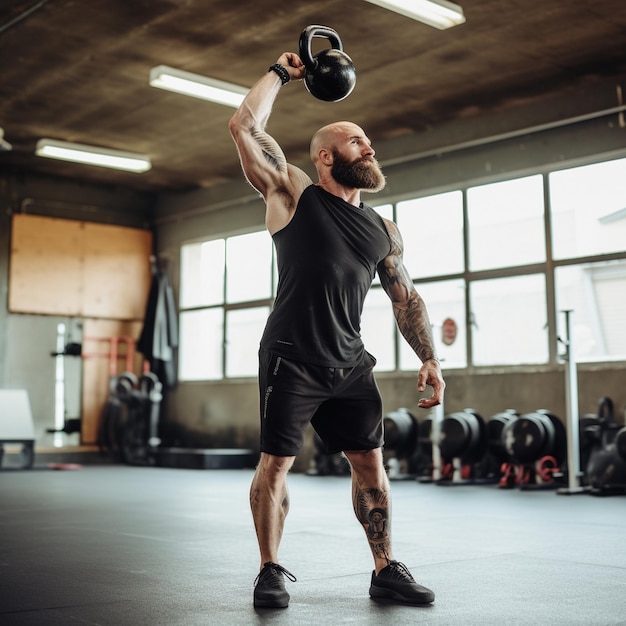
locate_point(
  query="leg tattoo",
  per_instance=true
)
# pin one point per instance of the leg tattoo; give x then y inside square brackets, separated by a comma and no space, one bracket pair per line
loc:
[372,510]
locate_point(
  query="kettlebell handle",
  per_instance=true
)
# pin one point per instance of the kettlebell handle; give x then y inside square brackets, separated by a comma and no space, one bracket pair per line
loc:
[305,42]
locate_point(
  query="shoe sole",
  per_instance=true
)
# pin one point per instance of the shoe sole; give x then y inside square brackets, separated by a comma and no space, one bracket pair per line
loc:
[389,596]
[269,605]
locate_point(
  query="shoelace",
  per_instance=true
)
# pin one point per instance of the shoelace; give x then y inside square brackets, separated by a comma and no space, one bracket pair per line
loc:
[275,569]
[399,571]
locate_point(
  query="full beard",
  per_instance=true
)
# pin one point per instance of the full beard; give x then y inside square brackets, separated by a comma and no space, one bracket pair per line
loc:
[364,173]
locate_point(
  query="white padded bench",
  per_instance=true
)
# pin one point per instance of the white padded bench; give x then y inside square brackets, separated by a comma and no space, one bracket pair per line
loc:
[16,424]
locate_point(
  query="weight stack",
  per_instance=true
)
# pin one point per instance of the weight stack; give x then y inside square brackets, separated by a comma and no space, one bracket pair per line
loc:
[537,444]
[462,443]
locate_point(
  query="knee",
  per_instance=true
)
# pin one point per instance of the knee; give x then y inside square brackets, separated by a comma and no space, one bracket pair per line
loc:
[367,464]
[274,466]
[365,458]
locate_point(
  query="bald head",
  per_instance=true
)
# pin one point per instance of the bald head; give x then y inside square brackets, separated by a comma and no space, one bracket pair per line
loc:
[343,155]
[330,136]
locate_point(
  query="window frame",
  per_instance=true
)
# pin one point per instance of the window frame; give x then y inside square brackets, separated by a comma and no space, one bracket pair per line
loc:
[547,267]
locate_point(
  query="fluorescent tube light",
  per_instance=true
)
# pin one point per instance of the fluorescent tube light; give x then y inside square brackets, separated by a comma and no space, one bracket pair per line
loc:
[440,14]
[197,86]
[5,146]
[91,155]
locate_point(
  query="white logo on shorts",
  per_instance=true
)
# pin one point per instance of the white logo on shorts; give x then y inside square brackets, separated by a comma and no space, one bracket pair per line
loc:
[278,360]
[268,391]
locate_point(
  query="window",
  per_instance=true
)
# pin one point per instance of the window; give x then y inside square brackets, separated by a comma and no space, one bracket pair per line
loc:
[201,342]
[219,336]
[445,301]
[202,274]
[589,210]
[244,328]
[497,288]
[432,231]
[594,292]
[506,224]
[248,267]
[509,322]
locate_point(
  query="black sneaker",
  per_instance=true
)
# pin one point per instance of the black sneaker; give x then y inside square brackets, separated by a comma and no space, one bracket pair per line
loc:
[395,583]
[269,587]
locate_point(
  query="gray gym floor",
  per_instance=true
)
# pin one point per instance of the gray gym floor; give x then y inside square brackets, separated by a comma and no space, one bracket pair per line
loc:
[117,545]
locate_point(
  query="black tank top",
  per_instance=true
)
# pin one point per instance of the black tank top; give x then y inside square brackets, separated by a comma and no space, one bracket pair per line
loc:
[327,257]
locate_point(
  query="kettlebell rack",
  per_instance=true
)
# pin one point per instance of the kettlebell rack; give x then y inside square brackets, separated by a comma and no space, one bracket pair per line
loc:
[129,422]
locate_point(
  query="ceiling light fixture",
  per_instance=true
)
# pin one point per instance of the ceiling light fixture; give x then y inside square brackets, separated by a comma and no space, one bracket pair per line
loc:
[440,14]
[5,146]
[91,155]
[203,87]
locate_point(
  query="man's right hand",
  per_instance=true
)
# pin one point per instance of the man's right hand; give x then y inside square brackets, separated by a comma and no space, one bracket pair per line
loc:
[294,65]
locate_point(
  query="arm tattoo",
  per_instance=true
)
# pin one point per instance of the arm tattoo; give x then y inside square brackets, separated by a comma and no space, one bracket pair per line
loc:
[414,324]
[372,510]
[408,307]
[271,150]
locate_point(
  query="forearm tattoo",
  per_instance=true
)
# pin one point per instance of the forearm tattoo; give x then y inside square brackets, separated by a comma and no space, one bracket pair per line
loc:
[408,307]
[414,324]
[372,510]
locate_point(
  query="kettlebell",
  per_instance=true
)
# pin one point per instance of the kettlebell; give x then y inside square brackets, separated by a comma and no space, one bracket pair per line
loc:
[330,74]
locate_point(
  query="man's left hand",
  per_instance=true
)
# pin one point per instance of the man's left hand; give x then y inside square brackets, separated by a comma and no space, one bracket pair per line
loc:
[430,374]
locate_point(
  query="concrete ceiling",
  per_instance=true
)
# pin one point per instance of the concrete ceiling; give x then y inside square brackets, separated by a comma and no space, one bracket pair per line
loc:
[78,71]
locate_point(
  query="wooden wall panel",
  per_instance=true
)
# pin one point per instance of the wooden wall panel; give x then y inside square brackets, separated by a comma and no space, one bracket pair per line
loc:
[80,269]
[117,271]
[46,270]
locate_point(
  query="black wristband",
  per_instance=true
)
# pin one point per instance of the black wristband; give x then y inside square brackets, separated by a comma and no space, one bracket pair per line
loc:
[282,72]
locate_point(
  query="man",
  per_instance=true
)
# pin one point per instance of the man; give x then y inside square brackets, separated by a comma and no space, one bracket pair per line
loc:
[313,367]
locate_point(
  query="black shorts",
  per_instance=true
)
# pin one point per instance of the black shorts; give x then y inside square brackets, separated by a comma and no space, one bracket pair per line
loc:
[343,405]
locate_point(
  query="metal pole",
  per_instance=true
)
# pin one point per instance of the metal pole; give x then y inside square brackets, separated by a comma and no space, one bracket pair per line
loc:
[59,388]
[435,433]
[571,409]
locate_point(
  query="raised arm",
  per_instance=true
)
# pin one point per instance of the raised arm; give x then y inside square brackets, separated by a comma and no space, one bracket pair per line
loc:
[262,159]
[412,317]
